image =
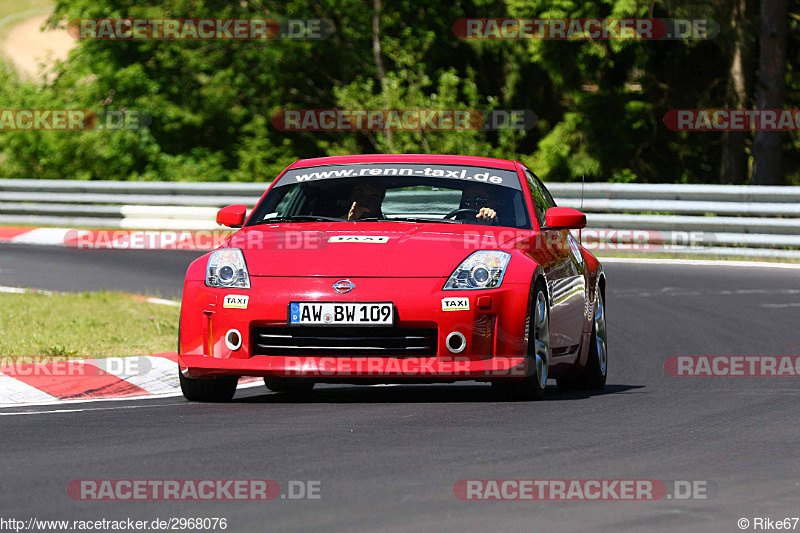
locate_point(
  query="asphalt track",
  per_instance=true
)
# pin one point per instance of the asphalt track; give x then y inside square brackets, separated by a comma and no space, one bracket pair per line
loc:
[387,457]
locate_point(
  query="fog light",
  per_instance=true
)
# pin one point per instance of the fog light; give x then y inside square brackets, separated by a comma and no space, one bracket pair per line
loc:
[456,342]
[233,340]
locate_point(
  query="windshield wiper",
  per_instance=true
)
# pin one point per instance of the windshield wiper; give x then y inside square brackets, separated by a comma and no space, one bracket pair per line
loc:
[409,219]
[301,218]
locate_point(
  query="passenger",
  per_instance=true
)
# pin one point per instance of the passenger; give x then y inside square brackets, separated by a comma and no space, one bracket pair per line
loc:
[365,201]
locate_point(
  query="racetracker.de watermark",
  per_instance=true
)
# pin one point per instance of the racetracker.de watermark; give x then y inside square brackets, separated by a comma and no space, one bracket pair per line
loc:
[592,29]
[61,367]
[80,239]
[583,489]
[500,366]
[284,239]
[72,120]
[402,119]
[733,365]
[192,490]
[199,29]
[732,119]
[288,239]
[591,239]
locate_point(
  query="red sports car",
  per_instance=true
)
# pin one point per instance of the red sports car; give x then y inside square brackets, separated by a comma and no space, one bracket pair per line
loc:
[396,268]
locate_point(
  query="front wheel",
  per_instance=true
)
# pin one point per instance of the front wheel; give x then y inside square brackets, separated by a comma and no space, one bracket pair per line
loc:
[533,385]
[207,390]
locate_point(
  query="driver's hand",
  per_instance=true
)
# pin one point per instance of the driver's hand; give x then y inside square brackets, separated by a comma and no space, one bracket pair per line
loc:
[486,214]
[356,211]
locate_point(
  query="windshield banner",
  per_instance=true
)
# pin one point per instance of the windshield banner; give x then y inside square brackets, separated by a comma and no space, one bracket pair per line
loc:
[489,176]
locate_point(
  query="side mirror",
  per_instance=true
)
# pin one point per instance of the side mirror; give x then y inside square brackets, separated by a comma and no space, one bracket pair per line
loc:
[564,218]
[232,216]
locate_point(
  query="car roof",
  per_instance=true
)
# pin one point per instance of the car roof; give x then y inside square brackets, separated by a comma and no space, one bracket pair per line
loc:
[407,158]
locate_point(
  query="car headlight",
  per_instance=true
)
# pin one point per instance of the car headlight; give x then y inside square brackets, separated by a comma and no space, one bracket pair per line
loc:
[481,270]
[226,269]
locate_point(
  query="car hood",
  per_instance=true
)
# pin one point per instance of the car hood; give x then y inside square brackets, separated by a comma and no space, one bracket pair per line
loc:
[364,249]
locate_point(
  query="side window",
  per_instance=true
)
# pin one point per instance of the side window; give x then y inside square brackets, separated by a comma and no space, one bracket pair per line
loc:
[547,196]
[541,197]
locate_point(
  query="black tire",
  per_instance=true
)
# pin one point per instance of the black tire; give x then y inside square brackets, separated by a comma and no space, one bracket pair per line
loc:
[208,390]
[531,387]
[289,385]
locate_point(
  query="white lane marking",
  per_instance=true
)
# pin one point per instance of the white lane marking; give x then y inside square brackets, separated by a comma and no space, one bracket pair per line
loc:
[674,291]
[22,290]
[12,389]
[42,412]
[56,401]
[55,411]
[19,413]
[698,262]
[781,306]
[162,301]
[13,290]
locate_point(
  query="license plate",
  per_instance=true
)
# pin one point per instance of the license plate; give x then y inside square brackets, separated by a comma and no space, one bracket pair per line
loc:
[341,314]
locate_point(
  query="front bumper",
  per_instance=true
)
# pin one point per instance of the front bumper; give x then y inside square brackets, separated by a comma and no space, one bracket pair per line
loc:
[493,327]
[343,368]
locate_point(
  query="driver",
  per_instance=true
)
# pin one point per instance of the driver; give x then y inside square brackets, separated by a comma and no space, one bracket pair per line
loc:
[479,198]
[365,201]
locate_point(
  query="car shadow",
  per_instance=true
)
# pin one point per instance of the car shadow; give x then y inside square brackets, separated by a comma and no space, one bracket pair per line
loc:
[416,393]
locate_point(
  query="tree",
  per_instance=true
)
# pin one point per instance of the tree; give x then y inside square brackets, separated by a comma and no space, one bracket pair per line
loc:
[734,167]
[771,89]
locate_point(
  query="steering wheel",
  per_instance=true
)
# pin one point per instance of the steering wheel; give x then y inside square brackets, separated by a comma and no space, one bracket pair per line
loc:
[452,214]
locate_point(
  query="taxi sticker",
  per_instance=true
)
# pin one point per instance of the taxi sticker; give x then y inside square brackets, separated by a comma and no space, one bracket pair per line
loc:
[372,239]
[235,301]
[455,304]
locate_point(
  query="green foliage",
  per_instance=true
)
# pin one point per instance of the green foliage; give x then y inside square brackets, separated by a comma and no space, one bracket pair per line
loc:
[600,103]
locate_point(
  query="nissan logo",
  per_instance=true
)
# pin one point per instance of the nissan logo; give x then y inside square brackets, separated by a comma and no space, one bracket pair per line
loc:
[344,285]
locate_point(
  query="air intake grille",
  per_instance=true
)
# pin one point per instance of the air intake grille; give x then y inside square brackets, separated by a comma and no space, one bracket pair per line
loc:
[344,341]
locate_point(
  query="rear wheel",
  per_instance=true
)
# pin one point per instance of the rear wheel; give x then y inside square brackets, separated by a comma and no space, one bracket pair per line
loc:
[290,385]
[593,376]
[207,390]
[537,334]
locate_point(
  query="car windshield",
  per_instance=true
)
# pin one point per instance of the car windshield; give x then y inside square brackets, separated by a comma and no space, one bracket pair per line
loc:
[444,194]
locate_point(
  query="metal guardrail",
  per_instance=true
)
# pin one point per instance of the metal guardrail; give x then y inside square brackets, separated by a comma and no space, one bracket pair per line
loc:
[719,193]
[738,220]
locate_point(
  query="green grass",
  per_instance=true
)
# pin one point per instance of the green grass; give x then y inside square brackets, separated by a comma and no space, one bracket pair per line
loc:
[88,324]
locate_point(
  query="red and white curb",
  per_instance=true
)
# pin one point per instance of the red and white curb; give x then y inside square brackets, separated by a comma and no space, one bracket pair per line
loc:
[46,236]
[32,235]
[113,378]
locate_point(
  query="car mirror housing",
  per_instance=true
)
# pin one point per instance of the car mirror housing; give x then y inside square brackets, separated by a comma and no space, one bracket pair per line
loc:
[564,218]
[232,216]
